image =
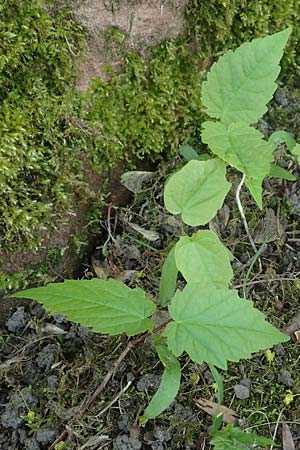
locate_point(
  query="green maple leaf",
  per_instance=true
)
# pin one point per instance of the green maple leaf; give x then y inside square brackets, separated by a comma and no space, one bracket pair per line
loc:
[240,145]
[241,83]
[215,326]
[197,191]
[104,306]
[202,258]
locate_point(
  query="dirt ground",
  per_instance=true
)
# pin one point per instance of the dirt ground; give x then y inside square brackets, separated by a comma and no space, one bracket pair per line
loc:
[49,366]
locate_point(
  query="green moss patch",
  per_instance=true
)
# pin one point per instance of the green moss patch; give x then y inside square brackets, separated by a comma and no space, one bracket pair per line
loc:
[39,146]
[149,108]
[217,25]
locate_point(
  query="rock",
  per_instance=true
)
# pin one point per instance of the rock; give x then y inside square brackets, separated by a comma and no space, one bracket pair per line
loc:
[52,382]
[46,435]
[281,97]
[285,378]
[279,350]
[157,446]
[18,320]
[123,423]
[47,356]
[161,435]
[148,382]
[22,435]
[17,407]
[31,444]
[125,442]
[182,412]
[242,390]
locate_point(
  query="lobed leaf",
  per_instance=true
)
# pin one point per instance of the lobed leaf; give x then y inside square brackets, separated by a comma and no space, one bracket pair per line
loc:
[197,191]
[240,145]
[105,306]
[202,258]
[168,279]
[215,326]
[241,83]
[169,386]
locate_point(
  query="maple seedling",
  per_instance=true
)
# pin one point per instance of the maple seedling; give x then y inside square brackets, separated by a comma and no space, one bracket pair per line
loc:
[208,320]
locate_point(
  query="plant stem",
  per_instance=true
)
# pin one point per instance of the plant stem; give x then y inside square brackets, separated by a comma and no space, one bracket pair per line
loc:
[244,220]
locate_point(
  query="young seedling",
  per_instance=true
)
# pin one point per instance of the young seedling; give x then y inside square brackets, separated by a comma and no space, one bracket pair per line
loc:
[208,320]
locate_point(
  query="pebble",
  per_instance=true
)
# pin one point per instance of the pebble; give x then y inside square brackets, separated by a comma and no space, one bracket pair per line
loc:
[125,442]
[18,320]
[31,444]
[285,378]
[242,390]
[281,97]
[46,435]
[47,356]
[148,382]
[17,407]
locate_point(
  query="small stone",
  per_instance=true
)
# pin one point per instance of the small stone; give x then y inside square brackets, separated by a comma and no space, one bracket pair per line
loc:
[47,356]
[182,412]
[161,435]
[148,382]
[22,435]
[130,377]
[241,392]
[246,382]
[18,320]
[285,378]
[17,407]
[279,350]
[281,97]
[31,444]
[46,435]
[264,127]
[124,442]
[123,423]
[157,446]
[52,382]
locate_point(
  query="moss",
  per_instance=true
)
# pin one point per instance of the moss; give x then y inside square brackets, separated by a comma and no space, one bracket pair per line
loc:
[39,155]
[149,108]
[217,25]
[36,274]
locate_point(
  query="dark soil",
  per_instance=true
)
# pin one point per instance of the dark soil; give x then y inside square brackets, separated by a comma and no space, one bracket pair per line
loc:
[50,366]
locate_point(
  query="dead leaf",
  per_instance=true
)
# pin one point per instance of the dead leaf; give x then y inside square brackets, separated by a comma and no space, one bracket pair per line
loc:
[293,325]
[220,222]
[211,408]
[50,328]
[101,268]
[135,179]
[94,441]
[296,335]
[287,438]
[269,229]
[125,275]
[147,234]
